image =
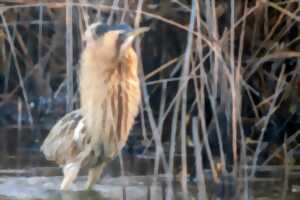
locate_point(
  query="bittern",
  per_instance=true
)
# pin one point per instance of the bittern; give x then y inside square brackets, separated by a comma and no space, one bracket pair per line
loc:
[109,99]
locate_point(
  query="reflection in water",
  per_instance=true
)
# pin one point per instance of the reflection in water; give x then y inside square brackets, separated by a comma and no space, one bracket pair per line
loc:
[125,188]
[86,195]
[35,182]
[129,188]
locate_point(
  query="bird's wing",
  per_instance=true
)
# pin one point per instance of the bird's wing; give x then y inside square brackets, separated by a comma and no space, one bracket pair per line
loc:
[64,142]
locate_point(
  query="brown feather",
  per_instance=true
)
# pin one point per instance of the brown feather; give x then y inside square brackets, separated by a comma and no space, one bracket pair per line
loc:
[110,97]
[113,85]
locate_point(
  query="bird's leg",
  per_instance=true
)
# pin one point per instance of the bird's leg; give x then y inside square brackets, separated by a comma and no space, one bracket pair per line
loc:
[70,173]
[94,174]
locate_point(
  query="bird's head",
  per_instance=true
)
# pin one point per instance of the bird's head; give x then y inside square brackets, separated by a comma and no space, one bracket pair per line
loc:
[110,42]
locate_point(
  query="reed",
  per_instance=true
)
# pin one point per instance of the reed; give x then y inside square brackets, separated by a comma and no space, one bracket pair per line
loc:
[218,77]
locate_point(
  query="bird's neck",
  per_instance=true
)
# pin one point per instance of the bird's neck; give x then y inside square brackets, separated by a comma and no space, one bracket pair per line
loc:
[97,82]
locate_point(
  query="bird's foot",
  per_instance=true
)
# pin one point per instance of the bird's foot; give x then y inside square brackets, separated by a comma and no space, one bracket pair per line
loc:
[88,187]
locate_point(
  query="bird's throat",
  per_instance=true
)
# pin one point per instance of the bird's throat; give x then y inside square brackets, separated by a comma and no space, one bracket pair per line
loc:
[109,102]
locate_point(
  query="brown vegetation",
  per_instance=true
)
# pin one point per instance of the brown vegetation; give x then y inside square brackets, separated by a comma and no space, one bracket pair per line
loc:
[220,76]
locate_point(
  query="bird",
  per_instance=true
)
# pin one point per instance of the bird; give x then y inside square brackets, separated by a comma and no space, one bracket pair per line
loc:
[109,89]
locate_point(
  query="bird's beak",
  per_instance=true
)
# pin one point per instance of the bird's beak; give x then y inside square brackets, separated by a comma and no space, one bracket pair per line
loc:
[130,36]
[138,31]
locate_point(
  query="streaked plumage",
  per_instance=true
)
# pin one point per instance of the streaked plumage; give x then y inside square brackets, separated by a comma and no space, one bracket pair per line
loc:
[110,96]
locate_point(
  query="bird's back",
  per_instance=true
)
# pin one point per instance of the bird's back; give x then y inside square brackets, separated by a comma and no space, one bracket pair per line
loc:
[60,145]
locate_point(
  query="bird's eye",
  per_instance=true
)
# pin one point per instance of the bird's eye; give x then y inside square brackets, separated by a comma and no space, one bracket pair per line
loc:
[121,39]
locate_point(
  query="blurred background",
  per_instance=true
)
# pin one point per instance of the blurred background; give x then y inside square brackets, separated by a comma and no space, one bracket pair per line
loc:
[221,93]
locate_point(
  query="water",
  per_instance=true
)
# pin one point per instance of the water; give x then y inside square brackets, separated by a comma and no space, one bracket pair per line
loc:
[48,188]
[109,188]
[26,175]
[22,184]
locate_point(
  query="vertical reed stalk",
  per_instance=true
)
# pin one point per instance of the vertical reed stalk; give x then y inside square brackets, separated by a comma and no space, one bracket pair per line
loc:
[234,90]
[160,122]
[184,76]
[111,15]
[202,192]
[286,171]
[69,54]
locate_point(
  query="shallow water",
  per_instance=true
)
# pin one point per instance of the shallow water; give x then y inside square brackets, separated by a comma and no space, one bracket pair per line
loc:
[28,176]
[133,188]
[23,187]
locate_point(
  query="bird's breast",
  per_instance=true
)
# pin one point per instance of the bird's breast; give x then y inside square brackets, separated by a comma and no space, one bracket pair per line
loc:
[123,105]
[109,108]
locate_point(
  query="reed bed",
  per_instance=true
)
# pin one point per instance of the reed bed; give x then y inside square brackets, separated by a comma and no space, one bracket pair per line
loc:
[220,80]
